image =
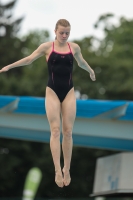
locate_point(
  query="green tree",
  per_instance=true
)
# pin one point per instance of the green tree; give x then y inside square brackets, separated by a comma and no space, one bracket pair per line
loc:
[81,78]
[18,157]
[115,58]
[10,45]
[111,58]
[35,76]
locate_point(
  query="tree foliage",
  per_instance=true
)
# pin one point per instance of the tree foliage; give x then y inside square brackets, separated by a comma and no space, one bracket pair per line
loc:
[111,60]
[115,55]
[18,157]
[10,45]
[35,76]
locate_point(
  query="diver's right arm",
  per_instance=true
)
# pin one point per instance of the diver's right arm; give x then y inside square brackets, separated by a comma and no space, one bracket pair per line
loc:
[40,51]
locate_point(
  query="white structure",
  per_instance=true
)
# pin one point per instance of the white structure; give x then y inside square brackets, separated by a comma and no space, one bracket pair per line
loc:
[114,174]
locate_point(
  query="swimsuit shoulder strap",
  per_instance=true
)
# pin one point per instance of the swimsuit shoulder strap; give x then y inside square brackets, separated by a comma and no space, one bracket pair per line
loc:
[69,47]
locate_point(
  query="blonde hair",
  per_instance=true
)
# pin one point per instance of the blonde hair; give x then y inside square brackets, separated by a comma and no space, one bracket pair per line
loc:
[62,22]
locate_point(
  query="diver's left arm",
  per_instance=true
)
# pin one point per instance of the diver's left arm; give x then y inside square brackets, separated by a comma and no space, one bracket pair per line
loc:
[82,63]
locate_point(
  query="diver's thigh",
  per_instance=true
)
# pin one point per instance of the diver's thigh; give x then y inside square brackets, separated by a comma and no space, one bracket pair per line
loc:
[52,105]
[68,110]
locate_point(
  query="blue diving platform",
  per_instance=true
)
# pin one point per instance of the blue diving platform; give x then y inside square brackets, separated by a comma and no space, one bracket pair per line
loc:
[99,123]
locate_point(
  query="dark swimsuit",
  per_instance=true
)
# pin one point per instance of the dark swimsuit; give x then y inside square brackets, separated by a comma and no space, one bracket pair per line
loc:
[60,66]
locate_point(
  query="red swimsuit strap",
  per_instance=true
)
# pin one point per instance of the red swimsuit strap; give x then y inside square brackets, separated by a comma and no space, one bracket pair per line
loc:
[69,47]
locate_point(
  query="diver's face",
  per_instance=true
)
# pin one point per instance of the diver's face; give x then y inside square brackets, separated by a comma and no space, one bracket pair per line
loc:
[62,33]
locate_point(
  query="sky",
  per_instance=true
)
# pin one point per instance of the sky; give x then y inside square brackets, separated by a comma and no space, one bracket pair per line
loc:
[82,14]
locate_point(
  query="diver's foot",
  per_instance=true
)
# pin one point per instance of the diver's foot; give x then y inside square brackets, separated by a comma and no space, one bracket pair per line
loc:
[59,178]
[67,178]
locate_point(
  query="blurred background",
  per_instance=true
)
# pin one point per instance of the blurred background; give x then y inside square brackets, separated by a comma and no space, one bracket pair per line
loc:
[104,31]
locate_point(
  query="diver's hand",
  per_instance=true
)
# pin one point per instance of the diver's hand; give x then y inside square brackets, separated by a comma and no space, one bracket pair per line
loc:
[92,76]
[4,69]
